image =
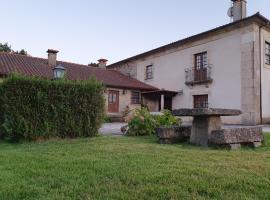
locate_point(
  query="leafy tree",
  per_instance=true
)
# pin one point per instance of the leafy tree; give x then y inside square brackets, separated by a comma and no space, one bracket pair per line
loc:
[92,64]
[5,47]
[21,52]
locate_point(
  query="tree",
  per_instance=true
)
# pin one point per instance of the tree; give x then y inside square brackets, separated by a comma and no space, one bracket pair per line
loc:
[7,48]
[21,52]
[92,64]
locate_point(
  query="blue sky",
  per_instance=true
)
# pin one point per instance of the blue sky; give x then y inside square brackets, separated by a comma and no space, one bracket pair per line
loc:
[86,30]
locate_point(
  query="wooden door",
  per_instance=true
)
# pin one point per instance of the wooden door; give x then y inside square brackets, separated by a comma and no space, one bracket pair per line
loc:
[200,72]
[113,101]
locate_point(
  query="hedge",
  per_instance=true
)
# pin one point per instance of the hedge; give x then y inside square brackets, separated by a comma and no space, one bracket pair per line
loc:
[34,108]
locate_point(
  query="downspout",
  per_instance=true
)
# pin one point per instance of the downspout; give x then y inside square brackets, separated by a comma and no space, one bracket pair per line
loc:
[260,53]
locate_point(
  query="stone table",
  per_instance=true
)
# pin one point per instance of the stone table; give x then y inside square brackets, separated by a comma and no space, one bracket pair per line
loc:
[205,121]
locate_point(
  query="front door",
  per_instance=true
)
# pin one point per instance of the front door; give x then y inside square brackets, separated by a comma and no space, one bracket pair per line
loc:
[168,103]
[113,101]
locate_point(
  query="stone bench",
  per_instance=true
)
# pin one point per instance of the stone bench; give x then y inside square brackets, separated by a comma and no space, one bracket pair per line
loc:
[171,135]
[235,137]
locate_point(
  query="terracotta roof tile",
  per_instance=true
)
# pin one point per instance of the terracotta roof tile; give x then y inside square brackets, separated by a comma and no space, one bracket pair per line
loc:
[32,66]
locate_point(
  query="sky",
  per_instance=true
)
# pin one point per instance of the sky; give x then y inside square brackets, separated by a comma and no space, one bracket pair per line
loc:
[86,30]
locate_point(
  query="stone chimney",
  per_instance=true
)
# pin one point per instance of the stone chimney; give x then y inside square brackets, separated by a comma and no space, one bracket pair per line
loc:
[102,63]
[52,57]
[239,9]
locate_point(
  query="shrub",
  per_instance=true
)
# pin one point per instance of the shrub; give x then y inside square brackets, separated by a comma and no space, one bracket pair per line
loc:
[167,119]
[33,108]
[143,123]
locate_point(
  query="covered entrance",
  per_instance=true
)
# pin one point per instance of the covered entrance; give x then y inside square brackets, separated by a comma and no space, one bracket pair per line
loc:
[158,100]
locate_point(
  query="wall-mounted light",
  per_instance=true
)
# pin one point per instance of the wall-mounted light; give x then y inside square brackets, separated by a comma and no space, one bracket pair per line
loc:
[59,72]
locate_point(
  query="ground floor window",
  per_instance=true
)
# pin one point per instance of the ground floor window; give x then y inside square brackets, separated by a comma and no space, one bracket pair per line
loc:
[200,101]
[135,97]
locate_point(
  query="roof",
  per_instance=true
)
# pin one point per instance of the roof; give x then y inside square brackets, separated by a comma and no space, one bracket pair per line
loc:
[160,92]
[257,18]
[33,66]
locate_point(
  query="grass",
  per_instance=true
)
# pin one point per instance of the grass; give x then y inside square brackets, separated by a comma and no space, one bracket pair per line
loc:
[131,168]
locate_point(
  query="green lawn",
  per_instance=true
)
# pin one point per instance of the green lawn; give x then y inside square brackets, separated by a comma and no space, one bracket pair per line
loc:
[131,168]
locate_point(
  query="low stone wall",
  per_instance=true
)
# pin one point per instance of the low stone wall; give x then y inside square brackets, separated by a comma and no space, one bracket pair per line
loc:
[235,137]
[170,135]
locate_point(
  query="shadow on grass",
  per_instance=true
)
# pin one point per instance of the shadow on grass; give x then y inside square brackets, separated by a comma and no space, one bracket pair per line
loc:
[187,145]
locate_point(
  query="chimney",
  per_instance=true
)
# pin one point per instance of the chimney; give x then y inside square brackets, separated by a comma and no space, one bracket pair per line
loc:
[52,57]
[238,10]
[102,63]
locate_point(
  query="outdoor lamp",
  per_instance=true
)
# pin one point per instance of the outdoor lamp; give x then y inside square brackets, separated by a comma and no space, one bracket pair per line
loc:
[59,72]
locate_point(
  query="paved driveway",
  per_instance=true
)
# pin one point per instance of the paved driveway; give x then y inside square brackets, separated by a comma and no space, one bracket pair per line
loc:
[111,128]
[266,128]
[115,128]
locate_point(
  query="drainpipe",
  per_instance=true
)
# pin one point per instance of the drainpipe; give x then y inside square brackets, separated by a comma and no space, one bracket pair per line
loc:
[260,52]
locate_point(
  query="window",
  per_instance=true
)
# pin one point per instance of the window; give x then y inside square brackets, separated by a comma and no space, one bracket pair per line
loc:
[267,53]
[200,71]
[200,61]
[149,72]
[112,98]
[135,97]
[201,101]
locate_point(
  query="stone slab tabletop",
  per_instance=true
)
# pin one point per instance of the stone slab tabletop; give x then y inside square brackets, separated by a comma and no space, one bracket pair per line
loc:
[206,112]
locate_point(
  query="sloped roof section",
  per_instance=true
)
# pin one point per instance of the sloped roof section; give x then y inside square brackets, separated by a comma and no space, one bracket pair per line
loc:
[256,18]
[32,66]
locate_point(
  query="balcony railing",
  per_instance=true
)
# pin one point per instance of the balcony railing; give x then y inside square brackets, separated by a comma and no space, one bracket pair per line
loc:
[201,76]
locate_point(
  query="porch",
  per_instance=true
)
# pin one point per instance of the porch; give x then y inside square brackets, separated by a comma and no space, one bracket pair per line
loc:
[158,100]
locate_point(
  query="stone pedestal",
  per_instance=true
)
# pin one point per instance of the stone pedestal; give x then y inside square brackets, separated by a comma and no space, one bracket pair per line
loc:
[202,128]
[205,121]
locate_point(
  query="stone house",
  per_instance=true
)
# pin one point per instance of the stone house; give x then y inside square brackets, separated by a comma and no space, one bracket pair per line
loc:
[226,67]
[121,91]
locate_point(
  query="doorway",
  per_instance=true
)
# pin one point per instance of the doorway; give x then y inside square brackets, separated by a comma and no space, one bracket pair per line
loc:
[113,101]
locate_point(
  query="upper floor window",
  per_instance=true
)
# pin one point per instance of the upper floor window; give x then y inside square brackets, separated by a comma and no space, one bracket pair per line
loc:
[200,71]
[135,97]
[200,61]
[267,53]
[149,72]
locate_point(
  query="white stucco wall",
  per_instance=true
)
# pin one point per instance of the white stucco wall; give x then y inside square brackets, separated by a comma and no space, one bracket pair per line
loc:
[233,59]
[265,79]
[224,53]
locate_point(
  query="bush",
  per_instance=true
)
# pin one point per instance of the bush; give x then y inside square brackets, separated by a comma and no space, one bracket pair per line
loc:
[167,119]
[143,123]
[34,108]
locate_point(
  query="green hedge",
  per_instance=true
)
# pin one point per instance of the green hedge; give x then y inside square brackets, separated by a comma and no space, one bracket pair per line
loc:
[34,108]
